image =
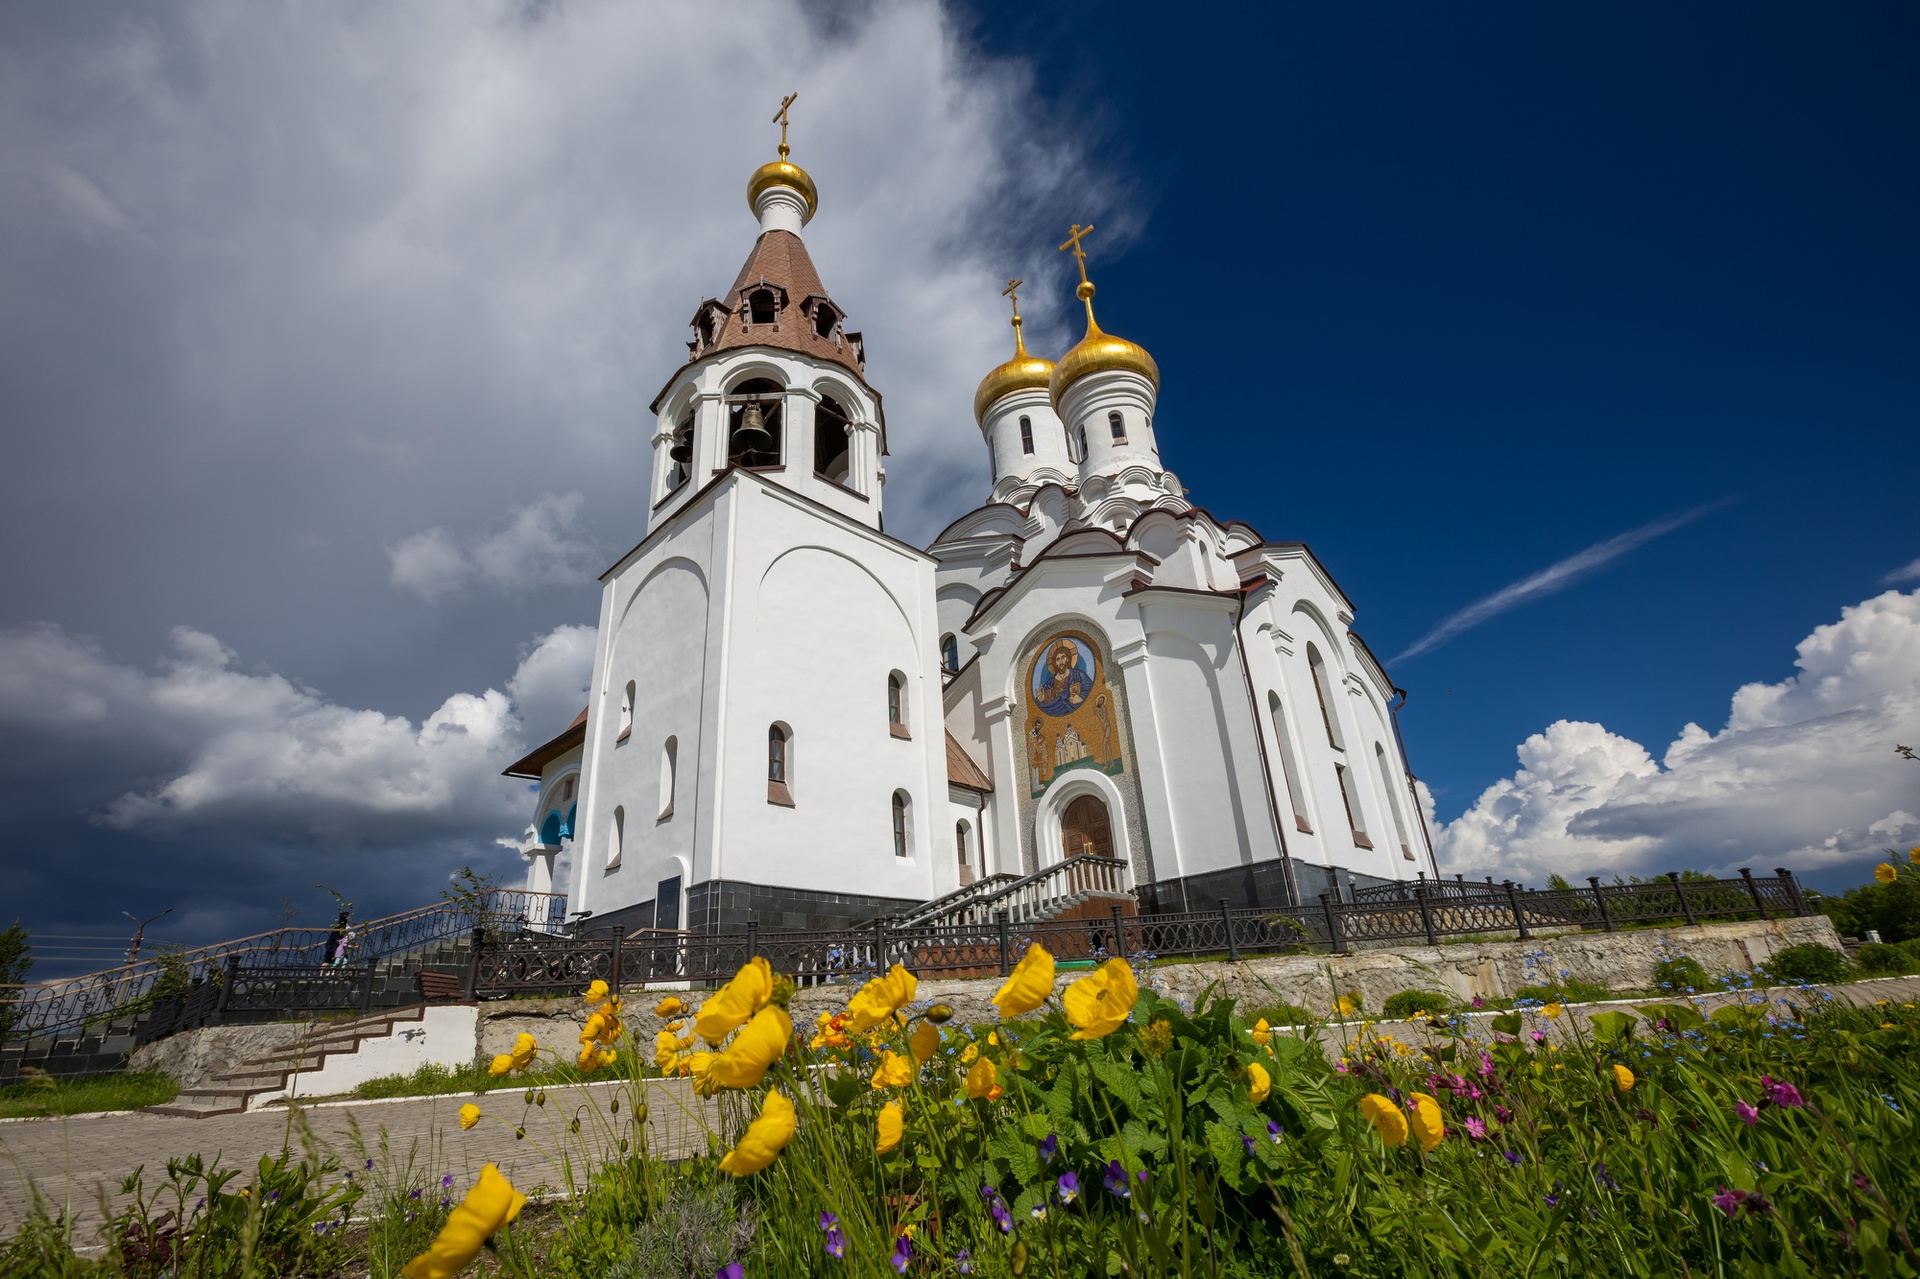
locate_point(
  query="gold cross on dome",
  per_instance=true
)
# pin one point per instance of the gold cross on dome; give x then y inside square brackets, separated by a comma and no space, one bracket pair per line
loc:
[780,118]
[1074,236]
[1012,291]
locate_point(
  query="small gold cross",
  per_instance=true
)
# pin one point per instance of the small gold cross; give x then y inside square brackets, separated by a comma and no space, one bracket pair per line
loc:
[1011,291]
[1074,236]
[780,118]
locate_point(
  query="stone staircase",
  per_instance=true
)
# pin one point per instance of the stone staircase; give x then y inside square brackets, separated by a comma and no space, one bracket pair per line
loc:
[253,1082]
[1083,887]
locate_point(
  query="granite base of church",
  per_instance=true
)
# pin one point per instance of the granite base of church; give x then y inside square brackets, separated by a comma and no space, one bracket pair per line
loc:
[1256,886]
[728,906]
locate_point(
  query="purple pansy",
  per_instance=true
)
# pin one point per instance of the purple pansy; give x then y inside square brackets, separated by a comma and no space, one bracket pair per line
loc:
[1069,1186]
[1115,1180]
[902,1254]
[1049,1148]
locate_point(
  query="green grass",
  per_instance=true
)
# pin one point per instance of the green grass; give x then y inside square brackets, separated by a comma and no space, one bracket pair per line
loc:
[438,1081]
[46,1095]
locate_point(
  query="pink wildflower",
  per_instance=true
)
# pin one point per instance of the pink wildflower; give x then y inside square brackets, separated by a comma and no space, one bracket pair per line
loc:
[1749,1115]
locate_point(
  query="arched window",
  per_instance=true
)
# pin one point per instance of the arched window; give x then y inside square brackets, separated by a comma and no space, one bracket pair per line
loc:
[1078,442]
[1289,769]
[550,831]
[669,770]
[949,652]
[626,713]
[1026,435]
[1355,818]
[1393,800]
[960,846]
[754,422]
[832,436]
[902,832]
[1323,688]
[897,704]
[1118,426]
[616,834]
[779,765]
[761,306]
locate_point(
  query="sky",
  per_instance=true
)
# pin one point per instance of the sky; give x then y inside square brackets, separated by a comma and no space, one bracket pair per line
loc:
[1579,344]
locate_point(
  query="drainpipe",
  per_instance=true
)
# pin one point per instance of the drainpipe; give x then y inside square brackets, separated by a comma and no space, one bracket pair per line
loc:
[1413,794]
[1266,765]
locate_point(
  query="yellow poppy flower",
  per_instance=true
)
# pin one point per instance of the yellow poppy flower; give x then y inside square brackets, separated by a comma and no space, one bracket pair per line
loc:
[1552,1011]
[968,1053]
[1622,1078]
[593,1056]
[1028,985]
[500,1065]
[523,1050]
[675,1027]
[591,1031]
[595,992]
[895,1071]
[764,1138]
[1913,855]
[1099,1003]
[1262,1033]
[1259,1082]
[1385,1118]
[734,1003]
[1345,1007]
[982,1079]
[925,1042]
[880,999]
[671,1006]
[1427,1123]
[486,1210]
[469,1116]
[664,1050]
[746,1060]
[1886,872]
[892,1126]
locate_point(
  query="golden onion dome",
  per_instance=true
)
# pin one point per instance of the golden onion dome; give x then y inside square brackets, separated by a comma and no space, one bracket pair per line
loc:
[1097,352]
[782,173]
[1019,373]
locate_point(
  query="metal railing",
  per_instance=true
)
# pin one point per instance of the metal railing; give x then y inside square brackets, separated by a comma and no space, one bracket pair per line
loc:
[981,947]
[162,987]
[1036,896]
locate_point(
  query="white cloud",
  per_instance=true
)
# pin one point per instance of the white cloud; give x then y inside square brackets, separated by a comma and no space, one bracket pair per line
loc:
[1905,573]
[258,752]
[539,546]
[1803,775]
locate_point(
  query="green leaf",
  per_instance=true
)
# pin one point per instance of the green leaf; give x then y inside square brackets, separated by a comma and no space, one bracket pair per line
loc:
[1611,1027]
[1677,1016]
[1508,1023]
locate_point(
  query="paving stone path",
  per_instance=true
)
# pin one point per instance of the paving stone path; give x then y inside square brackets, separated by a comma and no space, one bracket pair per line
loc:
[74,1159]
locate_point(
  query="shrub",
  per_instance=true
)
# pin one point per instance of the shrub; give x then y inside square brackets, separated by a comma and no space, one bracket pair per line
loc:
[1413,1003]
[699,1231]
[1681,972]
[1886,960]
[1808,961]
[1278,1015]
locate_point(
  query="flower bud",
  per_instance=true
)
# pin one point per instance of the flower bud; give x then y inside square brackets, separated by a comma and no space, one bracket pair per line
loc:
[939,1014]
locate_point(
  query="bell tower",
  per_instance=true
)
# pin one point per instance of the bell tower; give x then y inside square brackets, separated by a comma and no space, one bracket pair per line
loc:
[774,382]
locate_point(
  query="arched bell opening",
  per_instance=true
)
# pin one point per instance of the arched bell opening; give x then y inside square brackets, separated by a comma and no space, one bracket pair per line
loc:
[832,441]
[753,423]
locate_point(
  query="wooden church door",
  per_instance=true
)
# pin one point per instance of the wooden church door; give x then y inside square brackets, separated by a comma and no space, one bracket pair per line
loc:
[1085,828]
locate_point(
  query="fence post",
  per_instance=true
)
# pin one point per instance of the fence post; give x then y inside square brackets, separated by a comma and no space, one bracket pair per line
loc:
[1686,907]
[1600,896]
[1000,921]
[1426,912]
[366,987]
[1753,891]
[226,988]
[1793,890]
[1119,932]
[1519,916]
[1334,939]
[1226,919]
[472,983]
[753,936]
[613,965]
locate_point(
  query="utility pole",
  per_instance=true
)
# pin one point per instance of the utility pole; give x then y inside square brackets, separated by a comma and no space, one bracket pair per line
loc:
[140,931]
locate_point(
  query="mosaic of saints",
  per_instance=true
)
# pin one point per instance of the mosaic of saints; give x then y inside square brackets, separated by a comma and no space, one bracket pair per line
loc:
[1071,720]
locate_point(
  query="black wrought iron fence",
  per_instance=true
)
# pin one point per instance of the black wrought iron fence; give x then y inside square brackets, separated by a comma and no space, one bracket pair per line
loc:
[1423,915]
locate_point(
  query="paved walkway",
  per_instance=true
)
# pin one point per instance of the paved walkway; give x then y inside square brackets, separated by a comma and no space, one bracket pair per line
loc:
[73,1159]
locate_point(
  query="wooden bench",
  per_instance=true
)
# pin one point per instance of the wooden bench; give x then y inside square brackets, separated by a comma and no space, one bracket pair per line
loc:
[439,988]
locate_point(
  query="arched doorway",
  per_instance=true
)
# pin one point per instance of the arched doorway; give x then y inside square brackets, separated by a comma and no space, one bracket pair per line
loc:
[1085,829]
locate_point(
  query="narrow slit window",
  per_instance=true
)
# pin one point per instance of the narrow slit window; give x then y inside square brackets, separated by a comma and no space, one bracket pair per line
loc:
[901,832]
[669,768]
[1393,801]
[949,652]
[897,705]
[779,765]
[626,713]
[1118,426]
[1354,821]
[1323,688]
[1289,768]
[616,834]
[1026,435]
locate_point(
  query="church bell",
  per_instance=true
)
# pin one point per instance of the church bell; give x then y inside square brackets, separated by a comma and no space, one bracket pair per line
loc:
[753,435]
[682,450]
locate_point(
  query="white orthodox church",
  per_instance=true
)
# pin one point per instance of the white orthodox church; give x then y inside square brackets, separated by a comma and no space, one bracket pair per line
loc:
[799,720]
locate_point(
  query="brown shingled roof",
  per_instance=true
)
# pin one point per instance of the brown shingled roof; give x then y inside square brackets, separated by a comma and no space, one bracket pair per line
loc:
[961,770]
[779,259]
[534,762]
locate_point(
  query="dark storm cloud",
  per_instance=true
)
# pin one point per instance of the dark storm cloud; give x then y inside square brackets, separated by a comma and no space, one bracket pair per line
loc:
[327,333]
